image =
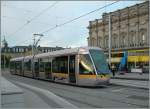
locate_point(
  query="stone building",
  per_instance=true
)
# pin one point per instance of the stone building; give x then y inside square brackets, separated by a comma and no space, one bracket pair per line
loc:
[17,51]
[129,29]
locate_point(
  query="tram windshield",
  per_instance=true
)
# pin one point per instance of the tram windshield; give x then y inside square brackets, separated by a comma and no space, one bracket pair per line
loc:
[85,65]
[100,61]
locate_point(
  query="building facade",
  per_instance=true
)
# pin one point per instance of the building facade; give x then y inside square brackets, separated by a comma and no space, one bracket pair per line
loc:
[129,31]
[18,51]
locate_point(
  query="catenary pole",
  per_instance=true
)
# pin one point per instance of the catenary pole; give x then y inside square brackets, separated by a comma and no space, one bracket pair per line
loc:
[109,40]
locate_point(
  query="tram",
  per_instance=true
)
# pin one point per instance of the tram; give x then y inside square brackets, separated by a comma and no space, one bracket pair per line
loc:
[85,66]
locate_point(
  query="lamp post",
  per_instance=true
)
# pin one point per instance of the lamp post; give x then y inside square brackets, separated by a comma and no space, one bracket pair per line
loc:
[34,46]
[35,43]
[109,41]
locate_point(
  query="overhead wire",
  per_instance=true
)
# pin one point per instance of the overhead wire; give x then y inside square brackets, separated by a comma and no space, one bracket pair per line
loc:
[74,19]
[15,18]
[36,16]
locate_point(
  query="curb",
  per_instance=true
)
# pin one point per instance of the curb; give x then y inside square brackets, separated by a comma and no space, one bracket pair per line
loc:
[141,79]
[145,88]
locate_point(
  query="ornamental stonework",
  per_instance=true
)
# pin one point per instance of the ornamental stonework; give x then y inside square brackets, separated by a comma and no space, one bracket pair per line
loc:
[129,28]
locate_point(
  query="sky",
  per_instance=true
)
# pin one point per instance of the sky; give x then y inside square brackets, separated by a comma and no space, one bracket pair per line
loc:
[21,19]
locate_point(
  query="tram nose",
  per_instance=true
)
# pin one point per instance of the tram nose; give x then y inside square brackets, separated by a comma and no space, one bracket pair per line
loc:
[103,77]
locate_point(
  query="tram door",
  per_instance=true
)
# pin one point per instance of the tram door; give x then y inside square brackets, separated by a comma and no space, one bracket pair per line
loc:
[36,68]
[72,75]
[48,73]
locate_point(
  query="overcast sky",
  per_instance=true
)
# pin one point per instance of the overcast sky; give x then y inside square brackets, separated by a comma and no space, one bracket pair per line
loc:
[21,19]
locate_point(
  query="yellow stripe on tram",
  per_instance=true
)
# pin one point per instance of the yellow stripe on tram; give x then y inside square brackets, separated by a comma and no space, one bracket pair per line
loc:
[87,76]
[65,75]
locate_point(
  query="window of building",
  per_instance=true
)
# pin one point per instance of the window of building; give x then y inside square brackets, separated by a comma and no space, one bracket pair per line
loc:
[106,41]
[123,41]
[132,39]
[13,49]
[99,41]
[114,41]
[143,38]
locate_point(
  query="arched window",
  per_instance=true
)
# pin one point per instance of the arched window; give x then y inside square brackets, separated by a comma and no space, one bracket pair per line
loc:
[100,41]
[114,40]
[132,38]
[123,39]
[106,41]
[142,37]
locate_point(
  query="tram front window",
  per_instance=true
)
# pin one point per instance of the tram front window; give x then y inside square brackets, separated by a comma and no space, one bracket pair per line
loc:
[85,65]
[99,61]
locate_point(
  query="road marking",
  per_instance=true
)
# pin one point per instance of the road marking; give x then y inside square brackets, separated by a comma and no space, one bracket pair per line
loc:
[62,102]
[117,90]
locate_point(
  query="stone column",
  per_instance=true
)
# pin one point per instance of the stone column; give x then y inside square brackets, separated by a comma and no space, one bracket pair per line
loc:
[90,33]
[128,39]
[138,24]
[103,35]
[97,39]
[119,30]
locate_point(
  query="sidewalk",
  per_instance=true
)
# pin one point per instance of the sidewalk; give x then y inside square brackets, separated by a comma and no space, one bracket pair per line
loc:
[25,96]
[11,95]
[132,76]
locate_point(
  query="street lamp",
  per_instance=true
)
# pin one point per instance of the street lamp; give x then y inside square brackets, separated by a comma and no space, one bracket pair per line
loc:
[35,43]
[109,40]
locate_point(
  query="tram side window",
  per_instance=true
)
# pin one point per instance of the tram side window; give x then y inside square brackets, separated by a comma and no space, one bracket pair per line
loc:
[85,65]
[36,66]
[44,64]
[41,65]
[48,67]
[18,65]
[72,64]
[28,65]
[60,64]
[12,65]
[55,66]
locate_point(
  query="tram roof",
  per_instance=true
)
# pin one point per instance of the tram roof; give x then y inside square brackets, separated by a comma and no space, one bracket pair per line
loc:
[66,52]
[58,53]
[17,59]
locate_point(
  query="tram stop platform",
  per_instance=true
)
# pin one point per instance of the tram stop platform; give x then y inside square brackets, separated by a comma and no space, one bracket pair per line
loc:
[11,95]
[132,76]
[131,80]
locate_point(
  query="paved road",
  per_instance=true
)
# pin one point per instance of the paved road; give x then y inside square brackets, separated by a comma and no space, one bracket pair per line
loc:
[110,96]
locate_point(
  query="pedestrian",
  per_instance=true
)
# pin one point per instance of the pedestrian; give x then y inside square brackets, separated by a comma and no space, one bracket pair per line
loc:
[113,70]
[141,68]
